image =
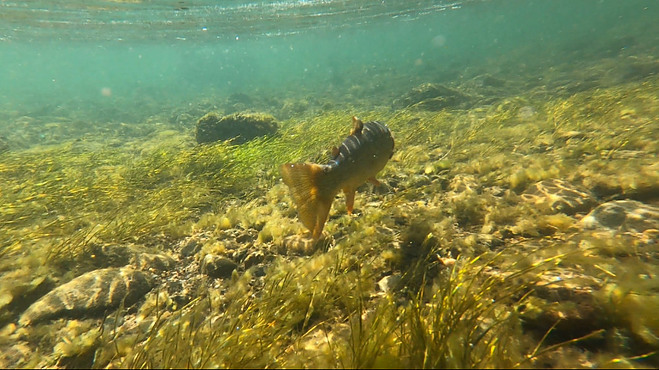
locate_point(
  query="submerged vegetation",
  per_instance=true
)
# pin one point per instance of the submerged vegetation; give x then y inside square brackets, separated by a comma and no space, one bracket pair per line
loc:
[453,262]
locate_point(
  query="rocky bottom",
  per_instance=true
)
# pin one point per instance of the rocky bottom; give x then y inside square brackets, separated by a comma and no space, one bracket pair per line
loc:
[508,231]
[576,245]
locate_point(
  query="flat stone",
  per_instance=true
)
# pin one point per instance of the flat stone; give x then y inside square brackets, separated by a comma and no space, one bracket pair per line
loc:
[253,258]
[305,246]
[565,297]
[622,215]
[560,196]
[90,294]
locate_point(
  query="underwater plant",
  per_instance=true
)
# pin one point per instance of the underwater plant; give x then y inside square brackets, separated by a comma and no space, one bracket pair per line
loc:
[478,270]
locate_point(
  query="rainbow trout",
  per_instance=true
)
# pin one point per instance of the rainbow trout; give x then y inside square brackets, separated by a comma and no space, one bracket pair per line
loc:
[359,158]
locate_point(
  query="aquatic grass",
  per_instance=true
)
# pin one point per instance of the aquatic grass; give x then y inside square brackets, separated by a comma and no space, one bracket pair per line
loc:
[470,318]
[72,186]
[63,198]
[47,192]
[78,185]
[244,328]
[464,317]
[89,180]
[457,327]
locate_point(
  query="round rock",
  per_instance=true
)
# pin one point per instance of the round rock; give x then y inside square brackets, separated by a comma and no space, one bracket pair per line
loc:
[89,294]
[389,283]
[217,266]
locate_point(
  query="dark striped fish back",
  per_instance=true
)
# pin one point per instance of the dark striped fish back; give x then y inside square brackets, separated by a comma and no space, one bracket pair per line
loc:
[375,137]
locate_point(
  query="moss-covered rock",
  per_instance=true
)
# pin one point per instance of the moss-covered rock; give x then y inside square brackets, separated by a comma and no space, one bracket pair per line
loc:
[237,127]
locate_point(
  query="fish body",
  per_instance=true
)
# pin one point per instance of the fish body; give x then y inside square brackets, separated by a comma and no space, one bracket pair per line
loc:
[360,157]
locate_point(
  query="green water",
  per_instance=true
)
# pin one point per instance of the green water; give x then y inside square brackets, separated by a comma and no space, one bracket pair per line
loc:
[516,223]
[54,54]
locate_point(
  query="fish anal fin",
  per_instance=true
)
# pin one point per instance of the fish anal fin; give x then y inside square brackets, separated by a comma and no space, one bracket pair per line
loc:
[374,181]
[322,211]
[357,126]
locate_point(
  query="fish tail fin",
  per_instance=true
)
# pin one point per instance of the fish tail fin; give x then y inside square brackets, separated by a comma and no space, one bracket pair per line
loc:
[312,196]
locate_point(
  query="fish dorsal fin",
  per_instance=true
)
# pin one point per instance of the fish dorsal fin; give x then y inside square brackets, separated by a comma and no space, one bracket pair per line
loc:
[357,126]
[335,152]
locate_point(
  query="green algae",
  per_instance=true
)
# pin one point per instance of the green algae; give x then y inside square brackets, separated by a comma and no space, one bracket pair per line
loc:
[460,322]
[324,310]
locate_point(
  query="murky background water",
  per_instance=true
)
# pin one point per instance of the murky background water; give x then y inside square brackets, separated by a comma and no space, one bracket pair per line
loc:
[97,54]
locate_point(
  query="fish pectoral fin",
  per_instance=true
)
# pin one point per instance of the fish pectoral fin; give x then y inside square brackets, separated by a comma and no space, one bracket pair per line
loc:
[357,126]
[374,181]
[335,152]
[350,199]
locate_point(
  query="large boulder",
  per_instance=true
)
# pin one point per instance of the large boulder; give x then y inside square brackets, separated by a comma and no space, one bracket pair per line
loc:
[237,127]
